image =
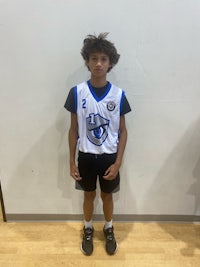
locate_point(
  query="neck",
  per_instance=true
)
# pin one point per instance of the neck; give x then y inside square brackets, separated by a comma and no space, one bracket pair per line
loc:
[95,82]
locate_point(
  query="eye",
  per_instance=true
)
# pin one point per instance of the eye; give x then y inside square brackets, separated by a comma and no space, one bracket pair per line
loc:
[104,59]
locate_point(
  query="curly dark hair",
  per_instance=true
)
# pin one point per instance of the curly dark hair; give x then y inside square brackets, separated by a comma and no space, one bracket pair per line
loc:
[93,43]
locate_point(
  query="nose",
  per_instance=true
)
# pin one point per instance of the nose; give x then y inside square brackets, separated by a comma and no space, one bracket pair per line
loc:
[98,63]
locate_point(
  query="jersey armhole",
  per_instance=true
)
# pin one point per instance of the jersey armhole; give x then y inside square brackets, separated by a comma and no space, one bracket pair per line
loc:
[121,102]
[75,98]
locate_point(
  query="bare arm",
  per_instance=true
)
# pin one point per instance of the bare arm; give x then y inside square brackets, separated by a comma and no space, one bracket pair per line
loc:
[72,138]
[112,171]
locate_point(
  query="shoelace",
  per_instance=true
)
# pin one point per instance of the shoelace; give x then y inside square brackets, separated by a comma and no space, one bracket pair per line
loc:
[109,236]
[88,235]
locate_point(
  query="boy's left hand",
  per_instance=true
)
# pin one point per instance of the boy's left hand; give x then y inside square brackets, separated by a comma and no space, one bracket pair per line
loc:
[111,172]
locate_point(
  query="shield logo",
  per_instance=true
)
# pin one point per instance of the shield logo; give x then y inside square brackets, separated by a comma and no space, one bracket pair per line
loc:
[97,129]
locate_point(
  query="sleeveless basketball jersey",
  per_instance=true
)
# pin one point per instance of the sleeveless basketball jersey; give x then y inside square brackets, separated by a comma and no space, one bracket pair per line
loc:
[98,118]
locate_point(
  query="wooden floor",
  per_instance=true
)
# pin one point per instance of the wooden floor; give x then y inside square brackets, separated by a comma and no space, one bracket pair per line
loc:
[49,244]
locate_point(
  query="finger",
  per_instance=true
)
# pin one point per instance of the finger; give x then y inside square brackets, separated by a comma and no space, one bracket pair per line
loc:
[107,172]
[107,177]
[77,175]
[76,178]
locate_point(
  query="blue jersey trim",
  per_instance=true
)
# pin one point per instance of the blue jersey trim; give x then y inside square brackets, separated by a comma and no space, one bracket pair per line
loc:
[122,101]
[75,98]
[93,93]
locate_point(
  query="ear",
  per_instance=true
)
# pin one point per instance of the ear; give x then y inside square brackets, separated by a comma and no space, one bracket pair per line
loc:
[86,62]
[87,65]
[110,65]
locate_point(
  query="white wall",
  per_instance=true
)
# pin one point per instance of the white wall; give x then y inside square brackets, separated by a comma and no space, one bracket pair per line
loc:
[159,69]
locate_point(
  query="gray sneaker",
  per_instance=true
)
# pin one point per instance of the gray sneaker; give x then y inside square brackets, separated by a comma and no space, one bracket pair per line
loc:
[111,244]
[87,243]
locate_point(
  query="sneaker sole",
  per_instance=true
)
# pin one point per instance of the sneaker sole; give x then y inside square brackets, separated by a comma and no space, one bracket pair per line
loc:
[81,248]
[114,251]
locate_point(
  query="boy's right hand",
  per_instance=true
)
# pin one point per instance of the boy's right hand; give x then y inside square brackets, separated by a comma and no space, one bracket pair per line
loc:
[74,172]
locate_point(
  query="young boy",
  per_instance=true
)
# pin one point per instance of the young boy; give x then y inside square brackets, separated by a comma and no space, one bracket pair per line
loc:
[98,129]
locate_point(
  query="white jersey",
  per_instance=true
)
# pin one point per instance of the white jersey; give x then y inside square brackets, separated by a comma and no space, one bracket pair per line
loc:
[98,118]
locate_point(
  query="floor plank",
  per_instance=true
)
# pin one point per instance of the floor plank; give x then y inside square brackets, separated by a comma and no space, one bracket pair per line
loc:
[42,244]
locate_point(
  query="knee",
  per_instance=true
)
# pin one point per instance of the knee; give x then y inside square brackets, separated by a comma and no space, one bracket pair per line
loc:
[90,196]
[106,197]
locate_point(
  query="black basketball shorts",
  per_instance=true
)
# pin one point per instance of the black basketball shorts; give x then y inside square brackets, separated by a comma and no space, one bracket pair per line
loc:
[91,167]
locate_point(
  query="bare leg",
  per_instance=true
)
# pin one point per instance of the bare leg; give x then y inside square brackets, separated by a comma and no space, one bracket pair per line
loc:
[107,205]
[111,244]
[88,205]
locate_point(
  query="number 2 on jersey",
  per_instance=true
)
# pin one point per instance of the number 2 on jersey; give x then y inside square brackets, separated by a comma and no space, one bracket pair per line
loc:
[83,103]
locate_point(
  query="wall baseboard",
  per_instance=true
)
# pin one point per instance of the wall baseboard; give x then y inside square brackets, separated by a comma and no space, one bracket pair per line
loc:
[99,217]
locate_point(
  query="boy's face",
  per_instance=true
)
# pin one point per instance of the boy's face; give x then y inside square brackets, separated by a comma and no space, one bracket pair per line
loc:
[98,64]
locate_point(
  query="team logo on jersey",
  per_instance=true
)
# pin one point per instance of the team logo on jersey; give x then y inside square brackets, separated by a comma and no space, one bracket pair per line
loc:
[97,129]
[111,106]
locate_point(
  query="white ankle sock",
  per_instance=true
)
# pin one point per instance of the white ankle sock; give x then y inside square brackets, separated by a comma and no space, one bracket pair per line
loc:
[88,224]
[108,225]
